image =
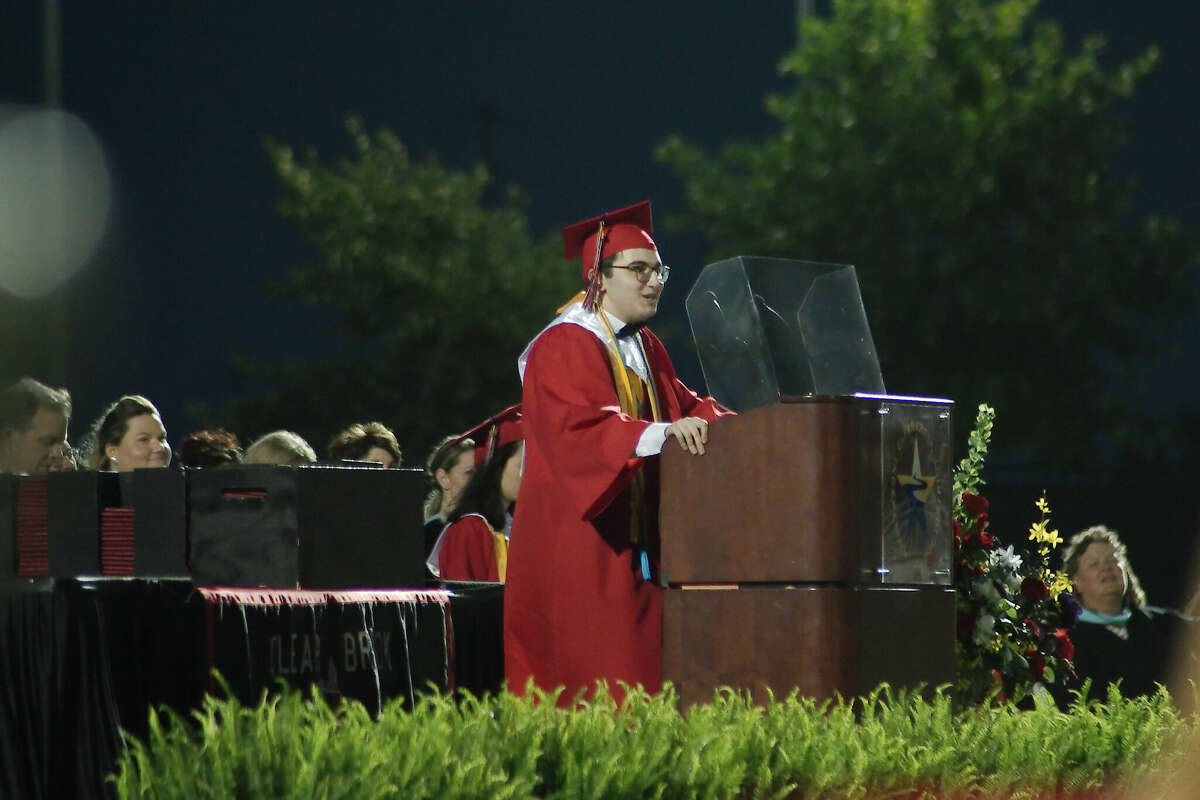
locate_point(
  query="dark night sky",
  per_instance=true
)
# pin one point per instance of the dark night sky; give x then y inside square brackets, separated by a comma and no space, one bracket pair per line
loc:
[181,94]
[181,98]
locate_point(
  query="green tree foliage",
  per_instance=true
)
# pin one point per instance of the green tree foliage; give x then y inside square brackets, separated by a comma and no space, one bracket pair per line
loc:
[431,294]
[960,157]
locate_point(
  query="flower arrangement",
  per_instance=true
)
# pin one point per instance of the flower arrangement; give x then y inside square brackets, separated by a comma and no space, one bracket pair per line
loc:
[1014,611]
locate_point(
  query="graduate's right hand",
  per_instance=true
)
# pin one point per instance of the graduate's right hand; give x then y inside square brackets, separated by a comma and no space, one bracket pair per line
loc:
[691,433]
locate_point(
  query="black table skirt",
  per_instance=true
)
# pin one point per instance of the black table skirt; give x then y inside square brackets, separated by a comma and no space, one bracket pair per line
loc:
[80,660]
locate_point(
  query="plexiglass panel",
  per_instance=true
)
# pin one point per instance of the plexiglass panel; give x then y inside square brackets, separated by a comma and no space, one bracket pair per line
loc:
[914,512]
[769,327]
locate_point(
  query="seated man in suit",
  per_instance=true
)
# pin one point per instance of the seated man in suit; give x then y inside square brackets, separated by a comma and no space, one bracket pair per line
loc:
[33,428]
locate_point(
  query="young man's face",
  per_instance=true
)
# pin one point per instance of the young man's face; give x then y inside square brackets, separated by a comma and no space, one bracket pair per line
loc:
[510,478]
[624,295]
[39,448]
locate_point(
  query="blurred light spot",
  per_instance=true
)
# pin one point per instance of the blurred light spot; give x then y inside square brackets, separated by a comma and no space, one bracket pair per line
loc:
[55,196]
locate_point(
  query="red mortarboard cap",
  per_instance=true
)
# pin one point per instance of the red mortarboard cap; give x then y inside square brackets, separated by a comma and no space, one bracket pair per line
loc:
[493,432]
[624,229]
[496,431]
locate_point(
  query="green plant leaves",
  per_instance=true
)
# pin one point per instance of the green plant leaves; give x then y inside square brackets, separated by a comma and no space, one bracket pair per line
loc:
[889,744]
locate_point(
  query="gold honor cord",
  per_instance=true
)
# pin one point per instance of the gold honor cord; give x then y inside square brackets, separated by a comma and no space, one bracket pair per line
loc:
[501,545]
[630,404]
[619,373]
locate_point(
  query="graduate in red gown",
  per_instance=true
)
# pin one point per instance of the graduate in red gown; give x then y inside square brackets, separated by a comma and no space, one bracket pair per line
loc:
[473,545]
[600,400]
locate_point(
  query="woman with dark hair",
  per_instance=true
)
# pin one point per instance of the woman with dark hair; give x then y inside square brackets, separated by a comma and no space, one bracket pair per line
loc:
[1118,636]
[209,448]
[474,544]
[129,435]
[450,468]
[370,441]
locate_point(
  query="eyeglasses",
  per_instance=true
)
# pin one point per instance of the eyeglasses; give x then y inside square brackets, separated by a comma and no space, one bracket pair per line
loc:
[643,271]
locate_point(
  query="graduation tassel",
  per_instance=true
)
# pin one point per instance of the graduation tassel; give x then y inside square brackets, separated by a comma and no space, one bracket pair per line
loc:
[591,299]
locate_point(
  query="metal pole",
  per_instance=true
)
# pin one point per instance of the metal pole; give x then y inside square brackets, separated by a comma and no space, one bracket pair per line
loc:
[57,318]
[52,52]
[803,11]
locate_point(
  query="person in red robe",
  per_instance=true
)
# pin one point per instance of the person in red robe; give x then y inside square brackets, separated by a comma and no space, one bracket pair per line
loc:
[583,601]
[473,545]
[470,549]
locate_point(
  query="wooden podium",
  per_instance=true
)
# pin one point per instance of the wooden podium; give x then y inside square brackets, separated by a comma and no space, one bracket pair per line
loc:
[809,549]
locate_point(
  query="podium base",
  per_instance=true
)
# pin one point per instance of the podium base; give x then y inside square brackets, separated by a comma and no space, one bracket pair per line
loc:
[818,639]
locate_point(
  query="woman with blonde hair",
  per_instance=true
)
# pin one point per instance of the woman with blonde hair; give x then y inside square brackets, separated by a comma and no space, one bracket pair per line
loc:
[1119,637]
[280,447]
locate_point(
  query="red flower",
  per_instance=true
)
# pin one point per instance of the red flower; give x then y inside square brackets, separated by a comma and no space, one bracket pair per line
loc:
[1033,589]
[998,683]
[981,523]
[966,624]
[1037,665]
[1032,626]
[1066,648]
[986,540]
[974,504]
[957,533]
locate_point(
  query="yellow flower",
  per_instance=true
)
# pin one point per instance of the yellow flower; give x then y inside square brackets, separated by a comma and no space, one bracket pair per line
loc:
[1038,533]
[1059,583]
[1042,505]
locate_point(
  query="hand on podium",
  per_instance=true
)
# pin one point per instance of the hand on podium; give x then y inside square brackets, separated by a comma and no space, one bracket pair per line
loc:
[691,433]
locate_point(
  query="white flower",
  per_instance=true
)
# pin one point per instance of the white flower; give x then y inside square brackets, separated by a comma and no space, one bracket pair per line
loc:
[984,628]
[984,587]
[1005,559]
[1005,566]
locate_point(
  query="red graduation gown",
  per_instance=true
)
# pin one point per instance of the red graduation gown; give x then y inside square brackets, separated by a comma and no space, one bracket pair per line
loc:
[468,551]
[574,609]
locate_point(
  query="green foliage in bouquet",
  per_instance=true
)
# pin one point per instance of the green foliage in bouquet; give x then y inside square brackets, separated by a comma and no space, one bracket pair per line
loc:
[1014,611]
[889,744]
